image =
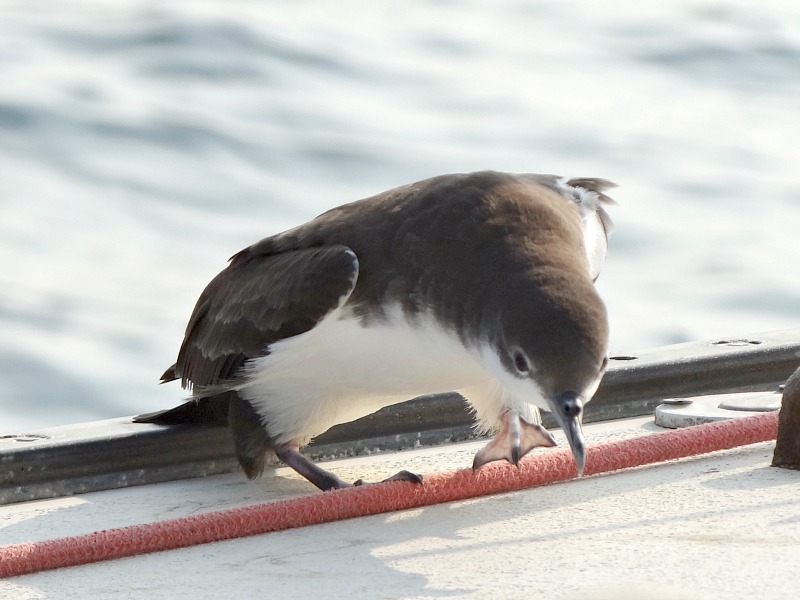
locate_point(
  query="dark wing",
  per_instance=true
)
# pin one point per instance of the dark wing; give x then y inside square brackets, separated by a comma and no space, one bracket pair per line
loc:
[258,300]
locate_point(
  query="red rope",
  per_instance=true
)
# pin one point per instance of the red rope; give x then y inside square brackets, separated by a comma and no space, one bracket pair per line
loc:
[538,469]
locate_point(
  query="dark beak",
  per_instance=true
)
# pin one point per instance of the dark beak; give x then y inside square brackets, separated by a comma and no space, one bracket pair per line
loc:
[568,410]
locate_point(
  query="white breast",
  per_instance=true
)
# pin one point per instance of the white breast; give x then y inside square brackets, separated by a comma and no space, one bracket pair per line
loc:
[340,371]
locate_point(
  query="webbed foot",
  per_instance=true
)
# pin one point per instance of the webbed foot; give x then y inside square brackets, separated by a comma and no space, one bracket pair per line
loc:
[401,476]
[516,438]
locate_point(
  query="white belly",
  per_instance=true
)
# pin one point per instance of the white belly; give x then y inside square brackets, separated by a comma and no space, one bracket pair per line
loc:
[340,371]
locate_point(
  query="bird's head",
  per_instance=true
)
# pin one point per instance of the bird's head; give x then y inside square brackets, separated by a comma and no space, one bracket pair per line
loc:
[552,353]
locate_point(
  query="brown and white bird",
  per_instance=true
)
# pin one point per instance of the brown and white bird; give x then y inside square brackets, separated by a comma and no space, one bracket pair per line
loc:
[480,283]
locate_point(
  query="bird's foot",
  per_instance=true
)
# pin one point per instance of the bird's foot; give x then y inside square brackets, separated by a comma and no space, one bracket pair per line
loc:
[401,476]
[325,480]
[516,438]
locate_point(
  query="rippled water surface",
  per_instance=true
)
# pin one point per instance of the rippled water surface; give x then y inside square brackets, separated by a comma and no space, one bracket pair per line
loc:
[142,143]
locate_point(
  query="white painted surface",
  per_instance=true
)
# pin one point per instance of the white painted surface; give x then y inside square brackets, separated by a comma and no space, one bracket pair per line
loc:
[721,526]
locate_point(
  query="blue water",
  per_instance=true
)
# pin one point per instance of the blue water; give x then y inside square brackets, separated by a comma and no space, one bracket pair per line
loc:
[143,143]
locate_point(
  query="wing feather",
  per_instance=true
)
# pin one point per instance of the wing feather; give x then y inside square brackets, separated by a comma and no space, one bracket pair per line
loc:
[258,300]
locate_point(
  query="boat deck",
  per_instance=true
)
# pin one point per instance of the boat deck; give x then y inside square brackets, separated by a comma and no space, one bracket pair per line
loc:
[722,525]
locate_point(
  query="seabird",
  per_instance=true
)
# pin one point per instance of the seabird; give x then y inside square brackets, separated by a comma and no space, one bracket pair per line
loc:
[481,283]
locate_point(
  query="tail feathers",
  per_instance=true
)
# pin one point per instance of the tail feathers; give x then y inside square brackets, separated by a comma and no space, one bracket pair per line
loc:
[250,438]
[252,443]
[598,187]
[201,411]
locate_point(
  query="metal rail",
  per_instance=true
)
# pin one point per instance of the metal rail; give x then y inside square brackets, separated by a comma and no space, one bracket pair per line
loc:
[116,453]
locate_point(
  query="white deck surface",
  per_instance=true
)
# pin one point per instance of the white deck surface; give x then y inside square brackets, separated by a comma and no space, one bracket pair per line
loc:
[725,525]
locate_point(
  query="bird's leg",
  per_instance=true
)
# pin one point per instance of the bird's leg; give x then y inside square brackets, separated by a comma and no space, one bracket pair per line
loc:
[516,438]
[290,454]
[324,480]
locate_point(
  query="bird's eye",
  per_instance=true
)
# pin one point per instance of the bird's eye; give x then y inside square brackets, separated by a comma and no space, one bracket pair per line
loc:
[520,362]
